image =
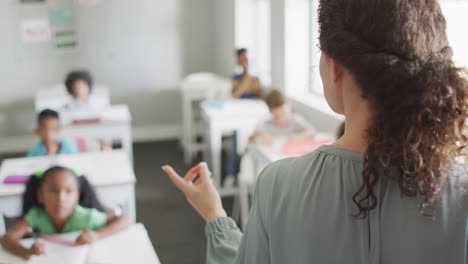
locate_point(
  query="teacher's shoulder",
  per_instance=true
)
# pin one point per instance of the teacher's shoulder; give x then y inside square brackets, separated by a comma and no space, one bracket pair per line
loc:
[286,171]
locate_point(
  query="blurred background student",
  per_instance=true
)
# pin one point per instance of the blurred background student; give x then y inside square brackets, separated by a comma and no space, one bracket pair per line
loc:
[244,84]
[283,123]
[48,130]
[79,84]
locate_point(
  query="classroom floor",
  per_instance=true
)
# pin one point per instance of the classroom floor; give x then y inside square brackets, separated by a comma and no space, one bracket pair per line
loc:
[175,229]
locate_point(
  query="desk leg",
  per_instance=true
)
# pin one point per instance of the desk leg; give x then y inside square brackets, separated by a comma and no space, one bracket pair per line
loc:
[132,204]
[214,145]
[187,130]
[127,143]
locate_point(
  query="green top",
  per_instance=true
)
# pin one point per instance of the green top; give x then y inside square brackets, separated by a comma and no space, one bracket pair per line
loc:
[302,213]
[82,218]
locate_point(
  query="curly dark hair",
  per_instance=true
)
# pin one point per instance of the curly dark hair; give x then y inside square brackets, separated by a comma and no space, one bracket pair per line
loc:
[77,75]
[398,53]
[88,197]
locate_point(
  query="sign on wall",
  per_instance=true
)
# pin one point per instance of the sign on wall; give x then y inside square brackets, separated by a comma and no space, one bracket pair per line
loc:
[35,30]
[63,22]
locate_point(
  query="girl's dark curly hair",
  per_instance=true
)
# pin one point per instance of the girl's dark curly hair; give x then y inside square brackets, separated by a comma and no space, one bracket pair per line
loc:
[397,51]
[78,75]
[88,197]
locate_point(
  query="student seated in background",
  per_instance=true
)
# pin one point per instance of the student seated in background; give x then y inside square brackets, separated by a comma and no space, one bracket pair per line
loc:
[60,201]
[49,130]
[79,85]
[245,85]
[283,123]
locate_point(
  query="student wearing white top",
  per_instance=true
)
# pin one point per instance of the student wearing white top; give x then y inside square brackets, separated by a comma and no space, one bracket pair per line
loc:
[283,123]
[79,85]
[389,190]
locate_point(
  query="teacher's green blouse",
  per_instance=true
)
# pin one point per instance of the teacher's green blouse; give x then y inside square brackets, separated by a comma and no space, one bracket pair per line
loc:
[302,213]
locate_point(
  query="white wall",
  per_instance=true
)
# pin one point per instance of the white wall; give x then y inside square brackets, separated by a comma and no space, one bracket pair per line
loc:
[140,48]
[277,43]
[224,36]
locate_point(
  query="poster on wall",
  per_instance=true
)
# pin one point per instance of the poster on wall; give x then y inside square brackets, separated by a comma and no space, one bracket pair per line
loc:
[35,30]
[64,30]
[62,16]
[65,39]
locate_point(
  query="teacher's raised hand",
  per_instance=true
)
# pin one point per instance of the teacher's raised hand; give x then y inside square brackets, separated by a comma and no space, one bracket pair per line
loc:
[200,192]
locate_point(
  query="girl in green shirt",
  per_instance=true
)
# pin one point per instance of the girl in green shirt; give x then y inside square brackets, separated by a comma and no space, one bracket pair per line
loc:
[60,201]
[390,189]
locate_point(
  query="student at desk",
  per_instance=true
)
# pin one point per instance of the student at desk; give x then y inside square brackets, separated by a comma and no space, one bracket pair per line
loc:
[390,190]
[245,85]
[283,123]
[48,130]
[79,85]
[60,201]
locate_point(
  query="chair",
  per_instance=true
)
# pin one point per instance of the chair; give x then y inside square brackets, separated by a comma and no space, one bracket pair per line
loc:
[195,88]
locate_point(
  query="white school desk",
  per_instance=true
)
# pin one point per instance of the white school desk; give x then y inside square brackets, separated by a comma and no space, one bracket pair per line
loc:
[56,97]
[261,155]
[195,88]
[131,245]
[109,171]
[114,124]
[241,115]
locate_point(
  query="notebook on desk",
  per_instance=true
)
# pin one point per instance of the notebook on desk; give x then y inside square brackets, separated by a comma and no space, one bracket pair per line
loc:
[16,179]
[301,147]
[86,121]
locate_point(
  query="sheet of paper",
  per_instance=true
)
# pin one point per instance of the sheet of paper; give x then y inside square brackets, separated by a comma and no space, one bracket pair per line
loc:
[301,147]
[54,254]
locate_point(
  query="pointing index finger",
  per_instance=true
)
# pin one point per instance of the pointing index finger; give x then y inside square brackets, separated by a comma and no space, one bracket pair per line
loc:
[176,179]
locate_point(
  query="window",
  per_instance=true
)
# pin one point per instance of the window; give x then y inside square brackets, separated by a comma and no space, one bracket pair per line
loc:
[252,31]
[297,46]
[455,13]
[315,79]
[302,54]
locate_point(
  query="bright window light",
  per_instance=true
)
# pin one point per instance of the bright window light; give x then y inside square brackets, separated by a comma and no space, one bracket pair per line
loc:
[252,31]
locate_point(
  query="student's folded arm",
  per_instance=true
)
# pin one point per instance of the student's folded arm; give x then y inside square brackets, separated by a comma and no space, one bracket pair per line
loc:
[11,240]
[226,244]
[114,224]
[255,136]
[260,90]
[240,87]
[238,90]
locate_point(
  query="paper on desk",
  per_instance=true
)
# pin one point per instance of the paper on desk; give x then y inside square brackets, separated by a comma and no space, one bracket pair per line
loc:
[300,147]
[54,253]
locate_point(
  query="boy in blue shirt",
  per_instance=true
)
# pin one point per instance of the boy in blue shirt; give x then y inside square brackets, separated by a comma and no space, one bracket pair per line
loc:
[49,130]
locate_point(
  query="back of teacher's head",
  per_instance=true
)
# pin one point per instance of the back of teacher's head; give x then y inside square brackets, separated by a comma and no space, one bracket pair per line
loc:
[398,54]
